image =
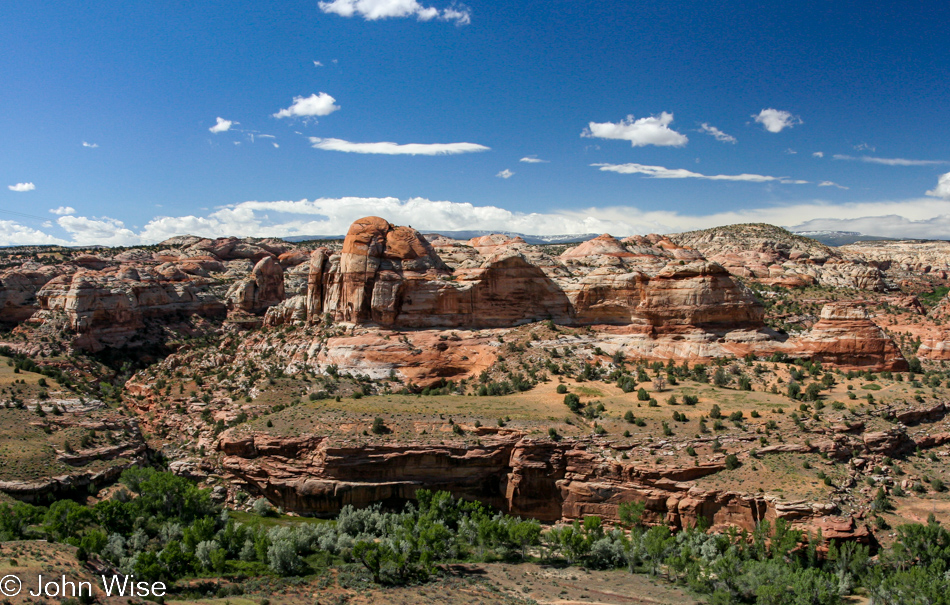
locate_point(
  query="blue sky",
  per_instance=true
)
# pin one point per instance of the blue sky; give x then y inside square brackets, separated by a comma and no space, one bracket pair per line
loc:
[126,123]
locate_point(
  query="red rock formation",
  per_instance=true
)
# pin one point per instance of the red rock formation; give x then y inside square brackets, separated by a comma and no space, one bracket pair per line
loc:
[845,337]
[603,245]
[106,310]
[698,294]
[293,258]
[538,479]
[18,289]
[392,277]
[422,357]
[488,244]
[264,288]
[230,248]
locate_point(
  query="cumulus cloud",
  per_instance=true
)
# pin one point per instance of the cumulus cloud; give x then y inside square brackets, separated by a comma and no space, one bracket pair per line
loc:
[317,64]
[818,154]
[718,134]
[372,10]
[921,218]
[21,187]
[222,126]
[13,233]
[532,159]
[776,120]
[63,210]
[91,145]
[660,172]
[505,174]
[889,161]
[653,130]
[106,231]
[387,148]
[942,189]
[305,107]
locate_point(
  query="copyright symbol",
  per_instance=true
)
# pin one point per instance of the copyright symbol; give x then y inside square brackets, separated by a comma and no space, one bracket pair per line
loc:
[10,586]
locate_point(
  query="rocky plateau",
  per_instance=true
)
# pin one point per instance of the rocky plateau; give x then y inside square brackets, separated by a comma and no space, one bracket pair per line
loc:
[229,322]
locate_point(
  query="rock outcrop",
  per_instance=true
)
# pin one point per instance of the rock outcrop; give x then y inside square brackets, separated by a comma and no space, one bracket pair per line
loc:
[263,289]
[846,338]
[391,276]
[18,288]
[110,310]
[894,257]
[773,255]
[545,480]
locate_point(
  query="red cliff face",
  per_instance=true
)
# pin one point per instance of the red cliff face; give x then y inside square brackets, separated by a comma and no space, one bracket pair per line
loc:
[264,288]
[538,479]
[392,277]
[18,288]
[108,309]
[845,337]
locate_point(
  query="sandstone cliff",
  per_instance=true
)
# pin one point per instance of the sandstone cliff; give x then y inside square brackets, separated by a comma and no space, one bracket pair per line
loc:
[391,276]
[846,338]
[109,310]
[18,288]
[545,480]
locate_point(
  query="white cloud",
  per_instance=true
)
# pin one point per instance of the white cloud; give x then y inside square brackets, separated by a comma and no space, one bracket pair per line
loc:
[21,187]
[890,161]
[222,126]
[776,120]
[715,132]
[791,151]
[305,107]
[818,154]
[13,233]
[533,159]
[103,231]
[91,145]
[659,172]
[372,10]
[832,184]
[317,64]
[942,189]
[275,145]
[921,218]
[460,14]
[505,174]
[63,210]
[653,130]
[387,148]
[864,147]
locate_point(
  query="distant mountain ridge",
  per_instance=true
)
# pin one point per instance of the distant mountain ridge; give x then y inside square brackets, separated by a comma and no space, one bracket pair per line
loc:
[840,238]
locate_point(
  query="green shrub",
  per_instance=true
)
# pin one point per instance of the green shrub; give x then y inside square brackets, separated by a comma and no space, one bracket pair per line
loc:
[732,462]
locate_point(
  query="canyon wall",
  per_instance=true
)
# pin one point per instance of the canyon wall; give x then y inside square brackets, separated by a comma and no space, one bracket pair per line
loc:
[540,479]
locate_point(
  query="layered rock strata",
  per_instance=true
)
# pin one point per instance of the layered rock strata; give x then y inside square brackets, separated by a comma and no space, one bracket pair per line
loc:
[846,338]
[109,310]
[391,276]
[545,480]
